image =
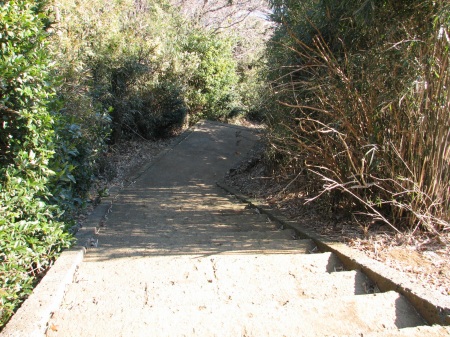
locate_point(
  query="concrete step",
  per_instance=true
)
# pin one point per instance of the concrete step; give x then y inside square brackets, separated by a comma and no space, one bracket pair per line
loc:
[114,244]
[232,225]
[239,247]
[282,286]
[208,235]
[126,247]
[253,279]
[352,315]
[334,284]
[197,221]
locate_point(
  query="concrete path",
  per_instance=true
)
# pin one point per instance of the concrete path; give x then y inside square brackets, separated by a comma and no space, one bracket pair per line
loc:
[179,257]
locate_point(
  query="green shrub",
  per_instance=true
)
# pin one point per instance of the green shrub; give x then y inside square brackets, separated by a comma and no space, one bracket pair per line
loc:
[76,159]
[30,232]
[114,60]
[212,88]
[161,113]
[121,57]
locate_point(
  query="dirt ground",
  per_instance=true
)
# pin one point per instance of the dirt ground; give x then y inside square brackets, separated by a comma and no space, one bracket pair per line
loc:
[421,256]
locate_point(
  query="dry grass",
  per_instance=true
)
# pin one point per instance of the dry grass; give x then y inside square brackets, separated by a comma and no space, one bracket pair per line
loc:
[373,124]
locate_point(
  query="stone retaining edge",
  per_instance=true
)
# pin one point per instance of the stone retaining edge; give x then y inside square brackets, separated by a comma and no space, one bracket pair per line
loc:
[32,317]
[430,305]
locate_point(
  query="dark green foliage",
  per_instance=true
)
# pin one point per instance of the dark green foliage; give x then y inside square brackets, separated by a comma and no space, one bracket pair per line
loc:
[211,91]
[30,233]
[162,111]
[140,107]
[74,163]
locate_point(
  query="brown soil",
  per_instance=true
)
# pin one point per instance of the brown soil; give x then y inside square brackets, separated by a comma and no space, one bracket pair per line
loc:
[422,256]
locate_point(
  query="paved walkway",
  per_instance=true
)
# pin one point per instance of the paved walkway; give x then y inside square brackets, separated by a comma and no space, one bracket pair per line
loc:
[151,256]
[179,257]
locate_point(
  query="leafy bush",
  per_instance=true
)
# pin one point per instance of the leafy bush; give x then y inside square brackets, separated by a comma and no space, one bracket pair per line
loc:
[141,106]
[119,60]
[75,160]
[211,91]
[253,89]
[120,55]
[30,233]
[162,111]
[363,105]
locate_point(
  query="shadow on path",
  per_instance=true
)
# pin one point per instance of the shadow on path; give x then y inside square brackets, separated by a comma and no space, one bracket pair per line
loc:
[182,220]
[175,208]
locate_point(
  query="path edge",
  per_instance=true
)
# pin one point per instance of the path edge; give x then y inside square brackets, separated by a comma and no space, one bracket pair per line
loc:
[32,317]
[427,303]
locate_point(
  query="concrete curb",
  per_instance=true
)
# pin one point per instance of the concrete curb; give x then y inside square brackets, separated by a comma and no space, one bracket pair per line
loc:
[430,305]
[31,319]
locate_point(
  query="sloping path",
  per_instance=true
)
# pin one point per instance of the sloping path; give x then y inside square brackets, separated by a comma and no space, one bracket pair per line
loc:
[179,257]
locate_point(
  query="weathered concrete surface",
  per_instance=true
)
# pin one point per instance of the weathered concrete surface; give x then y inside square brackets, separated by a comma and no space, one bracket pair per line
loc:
[178,257]
[32,318]
[434,307]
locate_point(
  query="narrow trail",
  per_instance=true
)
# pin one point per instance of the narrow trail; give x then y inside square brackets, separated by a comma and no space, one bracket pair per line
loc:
[180,257]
